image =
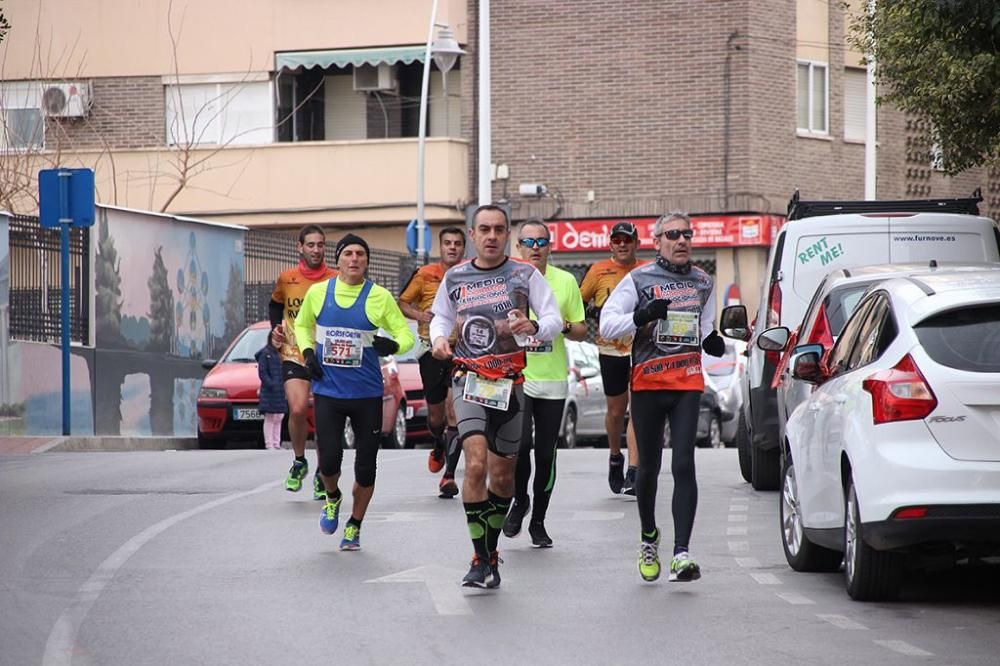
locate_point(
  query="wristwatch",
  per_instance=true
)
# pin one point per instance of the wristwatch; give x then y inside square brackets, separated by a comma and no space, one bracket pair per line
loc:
[566,327]
[534,323]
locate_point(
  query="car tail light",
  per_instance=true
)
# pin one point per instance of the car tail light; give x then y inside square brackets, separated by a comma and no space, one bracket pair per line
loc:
[773,319]
[900,393]
[910,512]
[820,333]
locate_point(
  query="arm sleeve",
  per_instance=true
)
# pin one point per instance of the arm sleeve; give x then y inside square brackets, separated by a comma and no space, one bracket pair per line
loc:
[305,322]
[543,302]
[443,322]
[708,315]
[575,312]
[589,286]
[384,312]
[275,312]
[616,317]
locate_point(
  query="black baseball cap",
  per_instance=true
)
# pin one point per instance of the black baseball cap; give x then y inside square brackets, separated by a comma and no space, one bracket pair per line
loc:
[624,228]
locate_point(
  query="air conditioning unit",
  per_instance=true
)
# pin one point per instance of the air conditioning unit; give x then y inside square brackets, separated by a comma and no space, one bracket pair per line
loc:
[66,100]
[370,78]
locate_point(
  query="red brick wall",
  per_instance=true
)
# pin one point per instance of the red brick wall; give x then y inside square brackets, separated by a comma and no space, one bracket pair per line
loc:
[126,112]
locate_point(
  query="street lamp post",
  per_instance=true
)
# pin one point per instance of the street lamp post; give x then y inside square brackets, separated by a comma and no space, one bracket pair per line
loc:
[445,51]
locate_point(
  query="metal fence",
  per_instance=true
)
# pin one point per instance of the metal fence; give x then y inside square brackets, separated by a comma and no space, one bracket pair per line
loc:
[35,282]
[268,253]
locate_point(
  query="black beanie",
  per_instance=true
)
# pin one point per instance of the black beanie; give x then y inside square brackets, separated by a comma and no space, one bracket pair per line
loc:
[350,239]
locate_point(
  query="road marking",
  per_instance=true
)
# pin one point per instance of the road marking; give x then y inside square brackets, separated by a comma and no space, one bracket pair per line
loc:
[61,644]
[737,518]
[738,546]
[738,507]
[597,515]
[748,562]
[842,622]
[902,647]
[442,584]
[739,498]
[765,579]
[796,599]
[736,531]
[397,516]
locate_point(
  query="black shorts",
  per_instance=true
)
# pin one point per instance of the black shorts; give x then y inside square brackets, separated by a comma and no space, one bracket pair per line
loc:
[436,378]
[293,370]
[616,371]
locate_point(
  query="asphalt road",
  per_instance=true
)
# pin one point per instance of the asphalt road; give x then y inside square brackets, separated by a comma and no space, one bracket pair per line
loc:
[201,557]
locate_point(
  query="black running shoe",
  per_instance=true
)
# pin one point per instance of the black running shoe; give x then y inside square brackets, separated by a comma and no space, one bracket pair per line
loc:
[629,487]
[539,537]
[479,572]
[512,524]
[616,466]
[494,579]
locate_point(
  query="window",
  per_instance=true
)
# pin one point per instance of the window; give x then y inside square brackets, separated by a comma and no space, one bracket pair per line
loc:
[841,352]
[22,125]
[219,113]
[812,98]
[965,339]
[855,108]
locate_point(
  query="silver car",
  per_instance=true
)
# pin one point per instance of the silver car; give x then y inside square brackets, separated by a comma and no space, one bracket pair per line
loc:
[723,375]
[583,416]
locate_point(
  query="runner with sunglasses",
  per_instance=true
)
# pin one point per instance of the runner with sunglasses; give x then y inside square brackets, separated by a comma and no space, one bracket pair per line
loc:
[669,306]
[616,364]
[545,390]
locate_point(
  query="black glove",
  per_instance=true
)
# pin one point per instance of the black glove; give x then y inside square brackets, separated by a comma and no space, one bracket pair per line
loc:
[384,346]
[713,344]
[593,312]
[651,312]
[312,364]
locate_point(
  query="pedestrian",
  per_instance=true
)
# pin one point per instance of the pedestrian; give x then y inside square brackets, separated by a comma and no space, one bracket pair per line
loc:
[415,301]
[336,329]
[614,353]
[289,291]
[669,305]
[545,390]
[488,298]
[271,398]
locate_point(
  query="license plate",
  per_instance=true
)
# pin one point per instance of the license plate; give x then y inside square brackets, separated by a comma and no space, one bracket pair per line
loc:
[409,412]
[246,414]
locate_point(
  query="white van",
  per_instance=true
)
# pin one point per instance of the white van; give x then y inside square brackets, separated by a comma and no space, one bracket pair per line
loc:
[821,236]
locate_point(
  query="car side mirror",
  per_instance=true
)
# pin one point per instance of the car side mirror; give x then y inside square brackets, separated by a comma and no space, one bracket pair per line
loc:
[588,372]
[209,363]
[734,324]
[806,363]
[774,339]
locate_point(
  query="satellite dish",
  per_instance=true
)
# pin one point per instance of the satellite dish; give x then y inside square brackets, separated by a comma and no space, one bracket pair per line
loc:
[54,100]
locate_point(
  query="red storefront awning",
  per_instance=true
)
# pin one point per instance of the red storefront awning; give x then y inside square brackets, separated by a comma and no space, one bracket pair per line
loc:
[590,235]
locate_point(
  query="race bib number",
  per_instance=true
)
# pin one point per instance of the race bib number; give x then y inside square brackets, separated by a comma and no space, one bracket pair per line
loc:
[539,347]
[679,328]
[492,393]
[343,347]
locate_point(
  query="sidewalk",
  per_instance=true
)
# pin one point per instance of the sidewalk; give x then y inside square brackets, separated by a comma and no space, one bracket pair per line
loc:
[18,445]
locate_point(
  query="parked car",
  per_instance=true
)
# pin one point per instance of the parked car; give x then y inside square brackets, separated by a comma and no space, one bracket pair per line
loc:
[894,459]
[723,376]
[710,416]
[819,237]
[227,400]
[586,405]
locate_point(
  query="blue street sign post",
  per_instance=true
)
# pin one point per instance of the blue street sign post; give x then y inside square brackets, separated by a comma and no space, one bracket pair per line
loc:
[65,199]
[412,243]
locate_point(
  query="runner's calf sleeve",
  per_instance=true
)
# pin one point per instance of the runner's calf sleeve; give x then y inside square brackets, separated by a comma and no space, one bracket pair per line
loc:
[453,451]
[437,431]
[475,516]
[494,519]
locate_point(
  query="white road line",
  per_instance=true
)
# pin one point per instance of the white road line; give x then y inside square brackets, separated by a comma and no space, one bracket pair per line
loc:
[765,579]
[842,622]
[748,562]
[737,518]
[61,644]
[739,498]
[738,546]
[795,599]
[736,531]
[739,507]
[902,647]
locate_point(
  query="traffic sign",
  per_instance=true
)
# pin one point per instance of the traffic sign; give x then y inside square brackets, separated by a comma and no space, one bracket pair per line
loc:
[411,238]
[66,196]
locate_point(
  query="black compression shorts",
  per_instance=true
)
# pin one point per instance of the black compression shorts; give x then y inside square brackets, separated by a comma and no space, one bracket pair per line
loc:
[436,378]
[293,370]
[615,373]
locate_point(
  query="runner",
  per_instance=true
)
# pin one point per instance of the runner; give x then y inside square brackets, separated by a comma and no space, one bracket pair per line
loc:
[285,301]
[545,390]
[488,298]
[415,302]
[670,306]
[336,330]
[614,357]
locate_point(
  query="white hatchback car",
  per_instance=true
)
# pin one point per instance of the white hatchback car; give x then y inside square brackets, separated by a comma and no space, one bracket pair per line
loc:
[895,457]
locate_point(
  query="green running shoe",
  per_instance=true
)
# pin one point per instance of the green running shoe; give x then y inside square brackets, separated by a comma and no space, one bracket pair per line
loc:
[319,490]
[683,569]
[649,559]
[352,538]
[295,475]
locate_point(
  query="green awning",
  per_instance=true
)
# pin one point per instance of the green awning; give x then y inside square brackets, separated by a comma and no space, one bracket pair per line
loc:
[345,57]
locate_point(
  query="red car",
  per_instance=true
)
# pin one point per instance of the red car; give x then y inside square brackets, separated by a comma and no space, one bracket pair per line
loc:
[227,401]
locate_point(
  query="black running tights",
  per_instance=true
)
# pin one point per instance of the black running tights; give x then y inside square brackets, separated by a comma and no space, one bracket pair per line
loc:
[546,415]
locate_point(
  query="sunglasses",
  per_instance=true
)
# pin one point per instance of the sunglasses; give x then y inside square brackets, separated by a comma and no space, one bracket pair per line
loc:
[534,242]
[674,234]
[622,240]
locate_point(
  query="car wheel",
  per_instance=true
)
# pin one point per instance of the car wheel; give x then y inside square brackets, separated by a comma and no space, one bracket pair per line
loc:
[568,439]
[715,432]
[396,438]
[743,446]
[765,468]
[870,575]
[801,553]
[348,434]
